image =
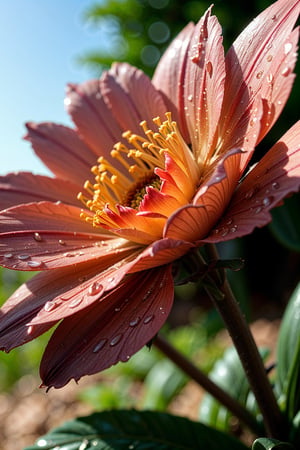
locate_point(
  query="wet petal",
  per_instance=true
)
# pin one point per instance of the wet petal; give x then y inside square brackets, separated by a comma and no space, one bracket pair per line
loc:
[193,222]
[34,308]
[247,65]
[24,187]
[46,235]
[204,85]
[169,76]
[62,151]
[272,179]
[111,330]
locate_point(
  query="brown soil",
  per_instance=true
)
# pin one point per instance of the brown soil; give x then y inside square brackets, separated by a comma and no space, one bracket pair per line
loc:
[29,412]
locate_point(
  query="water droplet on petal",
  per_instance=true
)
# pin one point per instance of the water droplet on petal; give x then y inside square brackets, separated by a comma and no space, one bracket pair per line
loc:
[8,255]
[37,237]
[249,194]
[116,340]
[286,71]
[75,302]
[117,309]
[267,201]
[259,74]
[209,68]
[258,210]
[99,346]
[288,47]
[190,98]
[49,306]
[269,58]
[148,319]
[270,78]
[34,264]
[23,257]
[274,17]
[275,185]
[30,329]
[95,288]
[61,242]
[134,322]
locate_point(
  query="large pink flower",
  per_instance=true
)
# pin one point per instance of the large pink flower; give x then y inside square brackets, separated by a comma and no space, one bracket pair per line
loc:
[169,185]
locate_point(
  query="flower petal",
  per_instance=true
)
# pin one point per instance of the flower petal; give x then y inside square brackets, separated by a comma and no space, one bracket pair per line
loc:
[272,179]
[132,97]
[62,151]
[44,235]
[110,330]
[248,64]
[24,187]
[94,120]
[204,85]
[168,77]
[193,222]
[34,308]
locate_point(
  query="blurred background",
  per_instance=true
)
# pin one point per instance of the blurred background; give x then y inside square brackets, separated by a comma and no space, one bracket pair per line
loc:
[45,45]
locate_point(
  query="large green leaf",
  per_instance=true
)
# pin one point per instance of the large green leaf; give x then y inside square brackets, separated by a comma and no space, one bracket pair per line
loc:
[288,356]
[229,374]
[120,430]
[271,444]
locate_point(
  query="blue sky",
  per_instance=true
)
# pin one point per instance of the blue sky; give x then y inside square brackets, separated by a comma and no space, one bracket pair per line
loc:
[40,41]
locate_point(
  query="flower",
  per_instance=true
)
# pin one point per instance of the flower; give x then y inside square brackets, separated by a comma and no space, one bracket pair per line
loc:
[169,173]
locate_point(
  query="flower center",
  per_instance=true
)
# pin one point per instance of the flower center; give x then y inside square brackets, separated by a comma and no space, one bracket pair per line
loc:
[154,172]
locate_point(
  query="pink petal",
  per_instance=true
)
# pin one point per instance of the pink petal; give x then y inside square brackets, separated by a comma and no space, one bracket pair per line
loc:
[248,63]
[110,330]
[132,97]
[204,85]
[46,236]
[169,76]
[94,120]
[48,297]
[272,179]
[62,151]
[24,187]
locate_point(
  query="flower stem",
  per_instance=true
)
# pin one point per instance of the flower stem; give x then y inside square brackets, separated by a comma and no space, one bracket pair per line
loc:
[191,370]
[242,338]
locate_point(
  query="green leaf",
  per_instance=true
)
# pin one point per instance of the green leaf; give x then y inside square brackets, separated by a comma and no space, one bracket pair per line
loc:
[288,356]
[120,430]
[229,374]
[285,223]
[271,444]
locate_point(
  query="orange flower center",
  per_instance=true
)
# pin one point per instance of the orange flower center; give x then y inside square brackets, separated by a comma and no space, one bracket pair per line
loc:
[159,165]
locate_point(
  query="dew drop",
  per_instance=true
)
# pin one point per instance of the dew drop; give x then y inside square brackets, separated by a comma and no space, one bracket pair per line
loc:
[225,231]
[233,229]
[209,68]
[49,306]
[286,71]
[229,222]
[287,48]
[270,78]
[116,340]
[275,185]
[269,58]
[8,255]
[94,288]
[23,257]
[37,237]
[148,319]
[34,264]
[274,17]
[30,329]
[267,201]
[190,98]
[134,322]
[249,194]
[100,345]
[117,309]
[61,242]
[258,210]
[259,74]
[148,293]
[75,302]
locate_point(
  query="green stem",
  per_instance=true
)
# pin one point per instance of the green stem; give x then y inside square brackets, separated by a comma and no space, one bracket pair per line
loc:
[242,338]
[191,370]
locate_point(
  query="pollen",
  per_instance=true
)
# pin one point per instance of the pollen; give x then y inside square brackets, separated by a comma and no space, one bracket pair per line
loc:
[137,164]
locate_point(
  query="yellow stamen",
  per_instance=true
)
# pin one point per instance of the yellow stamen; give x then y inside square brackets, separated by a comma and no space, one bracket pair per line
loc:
[138,160]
